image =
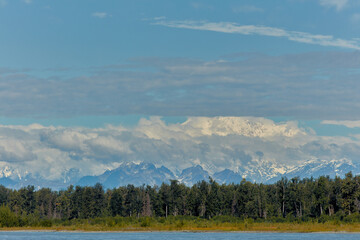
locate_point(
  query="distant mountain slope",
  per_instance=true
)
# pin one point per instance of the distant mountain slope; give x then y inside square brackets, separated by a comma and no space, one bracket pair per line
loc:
[149,174]
[131,173]
[227,176]
[7,182]
[316,168]
[192,175]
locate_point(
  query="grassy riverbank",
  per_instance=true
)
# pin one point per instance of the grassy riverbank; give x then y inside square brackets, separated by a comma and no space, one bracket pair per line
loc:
[187,224]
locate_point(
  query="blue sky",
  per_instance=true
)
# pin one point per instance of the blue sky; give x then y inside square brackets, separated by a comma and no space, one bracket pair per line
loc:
[45,34]
[58,46]
[84,60]
[72,70]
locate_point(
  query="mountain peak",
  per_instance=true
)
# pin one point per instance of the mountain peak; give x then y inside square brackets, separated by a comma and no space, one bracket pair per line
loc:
[246,126]
[147,173]
[192,175]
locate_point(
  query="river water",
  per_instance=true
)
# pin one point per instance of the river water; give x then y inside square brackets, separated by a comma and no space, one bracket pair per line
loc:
[172,236]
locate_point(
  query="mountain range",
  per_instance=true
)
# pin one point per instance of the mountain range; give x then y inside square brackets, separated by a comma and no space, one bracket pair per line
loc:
[149,174]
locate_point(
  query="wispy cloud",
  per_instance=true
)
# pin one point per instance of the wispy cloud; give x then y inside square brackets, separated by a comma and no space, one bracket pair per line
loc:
[101,14]
[3,3]
[338,4]
[158,18]
[198,5]
[355,18]
[349,124]
[27,1]
[233,28]
[247,9]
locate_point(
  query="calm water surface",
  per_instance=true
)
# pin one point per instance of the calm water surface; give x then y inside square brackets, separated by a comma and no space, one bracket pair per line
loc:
[172,236]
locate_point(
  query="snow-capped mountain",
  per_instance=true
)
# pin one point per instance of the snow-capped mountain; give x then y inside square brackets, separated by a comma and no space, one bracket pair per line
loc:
[316,168]
[261,171]
[227,176]
[149,174]
[13,178]
[245,126]
[192,175]
[70,176]
[11,173]
[130,173]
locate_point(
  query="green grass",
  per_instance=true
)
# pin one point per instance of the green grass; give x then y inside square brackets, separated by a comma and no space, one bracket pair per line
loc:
[188,223]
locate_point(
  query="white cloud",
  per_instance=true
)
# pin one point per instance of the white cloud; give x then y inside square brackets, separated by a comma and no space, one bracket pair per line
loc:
[233,28]
[349,124]
[28,1]
[214,143]
[101,14]
[338,4]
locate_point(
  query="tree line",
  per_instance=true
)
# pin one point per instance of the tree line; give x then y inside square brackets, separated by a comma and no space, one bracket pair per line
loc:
[287,198]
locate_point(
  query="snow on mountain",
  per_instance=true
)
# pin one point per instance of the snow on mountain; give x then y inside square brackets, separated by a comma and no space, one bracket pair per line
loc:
[146,173]
[227,176]
[9,172]
[261,171]
[70,176]
[316,168]
[131,173]
[246,126]
[149,174]
[192,175]
[16,179]
[195,127]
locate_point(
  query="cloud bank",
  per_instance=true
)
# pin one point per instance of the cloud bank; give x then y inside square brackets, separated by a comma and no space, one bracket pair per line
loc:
[214,143]
[305,86]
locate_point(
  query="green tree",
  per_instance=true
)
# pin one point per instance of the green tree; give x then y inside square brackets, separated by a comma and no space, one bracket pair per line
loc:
[116,203]
[27,199]
[348,193]
[282,187]
[7,217]
[322,195]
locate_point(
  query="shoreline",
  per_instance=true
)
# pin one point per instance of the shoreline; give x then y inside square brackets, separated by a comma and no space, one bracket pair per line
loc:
[191,225]
[176,231]
[64,230]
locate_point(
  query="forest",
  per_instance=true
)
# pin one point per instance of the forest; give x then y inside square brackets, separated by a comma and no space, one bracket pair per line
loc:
[288,200]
